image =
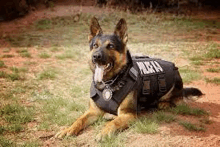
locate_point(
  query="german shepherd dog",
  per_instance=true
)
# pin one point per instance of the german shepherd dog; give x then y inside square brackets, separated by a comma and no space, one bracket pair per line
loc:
[109,60]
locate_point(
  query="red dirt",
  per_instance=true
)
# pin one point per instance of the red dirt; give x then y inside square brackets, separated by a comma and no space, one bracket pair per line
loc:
[170,135]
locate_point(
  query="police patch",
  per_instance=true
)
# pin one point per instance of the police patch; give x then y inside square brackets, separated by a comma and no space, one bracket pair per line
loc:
[149,67]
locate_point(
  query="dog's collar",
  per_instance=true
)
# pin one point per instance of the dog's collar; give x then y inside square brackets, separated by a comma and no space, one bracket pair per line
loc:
[109,87]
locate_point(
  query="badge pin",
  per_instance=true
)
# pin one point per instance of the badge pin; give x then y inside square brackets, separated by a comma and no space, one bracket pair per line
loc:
[107,94]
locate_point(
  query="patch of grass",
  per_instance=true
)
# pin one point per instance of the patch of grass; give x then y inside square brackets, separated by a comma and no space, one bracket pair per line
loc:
[23,69]
[186,110]
[24,53]
[30,144]
[17,90]
[64,56]
[56,116]
[9,109]
[14,69]
[197,60]
[217,70]
[7,56]
[189,75]
[161,116]
[2,64]
[191,127]
[16,114]
[3,74]
[43,24]
[145,125]
[113,140]
[213,53]
[30,63]
[55,49]
[2,130]
[15,128]
[214,80]
[44,126]
[6,143]
[47,74]
[6,50]
[19,118]
[44,55]
[14,76]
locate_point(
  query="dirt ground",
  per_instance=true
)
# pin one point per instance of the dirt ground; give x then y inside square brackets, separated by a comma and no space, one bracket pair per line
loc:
[175,135]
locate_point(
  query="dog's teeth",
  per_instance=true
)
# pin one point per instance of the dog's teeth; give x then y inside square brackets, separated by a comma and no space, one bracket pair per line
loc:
[107,66]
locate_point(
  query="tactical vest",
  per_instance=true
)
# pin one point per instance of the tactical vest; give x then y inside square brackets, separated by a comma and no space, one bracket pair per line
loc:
[151,77]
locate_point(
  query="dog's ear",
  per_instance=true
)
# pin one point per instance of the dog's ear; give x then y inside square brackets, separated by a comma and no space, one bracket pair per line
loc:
[95,28]
[121,30]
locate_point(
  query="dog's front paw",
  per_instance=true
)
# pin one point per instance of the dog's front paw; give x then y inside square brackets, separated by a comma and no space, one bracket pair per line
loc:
[99,137]
[102,137]
[65,132]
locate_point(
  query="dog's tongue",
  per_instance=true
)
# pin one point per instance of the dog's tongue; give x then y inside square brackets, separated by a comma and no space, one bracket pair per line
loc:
[99,71]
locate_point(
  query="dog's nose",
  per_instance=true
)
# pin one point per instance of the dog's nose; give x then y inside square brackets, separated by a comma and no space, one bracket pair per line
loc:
[97,56]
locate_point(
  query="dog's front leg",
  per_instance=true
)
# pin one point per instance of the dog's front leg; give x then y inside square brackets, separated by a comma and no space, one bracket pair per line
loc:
[83,121]
[126,114]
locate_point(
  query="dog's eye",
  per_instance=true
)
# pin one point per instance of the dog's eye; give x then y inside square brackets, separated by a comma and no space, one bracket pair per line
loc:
[95,45]
[110,46]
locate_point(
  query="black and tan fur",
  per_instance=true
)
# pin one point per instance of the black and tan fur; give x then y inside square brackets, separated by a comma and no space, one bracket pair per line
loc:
[112,49]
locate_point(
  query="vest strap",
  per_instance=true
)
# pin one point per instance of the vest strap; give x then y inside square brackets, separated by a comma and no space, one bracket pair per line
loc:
[162,83]
[146,85]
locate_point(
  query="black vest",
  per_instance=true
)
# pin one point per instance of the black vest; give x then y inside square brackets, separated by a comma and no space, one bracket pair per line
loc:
[151,77]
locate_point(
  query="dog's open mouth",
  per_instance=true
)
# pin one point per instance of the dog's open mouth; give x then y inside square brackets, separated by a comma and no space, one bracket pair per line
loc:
[100,71]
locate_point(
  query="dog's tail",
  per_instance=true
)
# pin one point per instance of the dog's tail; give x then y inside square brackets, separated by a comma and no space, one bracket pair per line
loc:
[191,93]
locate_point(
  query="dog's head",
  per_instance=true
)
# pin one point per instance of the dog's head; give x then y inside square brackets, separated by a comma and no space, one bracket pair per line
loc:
[107,52]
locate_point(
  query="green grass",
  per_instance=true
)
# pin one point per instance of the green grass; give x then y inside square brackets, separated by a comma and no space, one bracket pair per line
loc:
[191,127]
[215,80]
[24,53]
[43,24]
[186,110]
[3,74]
[64,56]
[2,130]
[215,70]
[6,143]
[161,116]
[31,144]
[13,76]
[14,69]
[15,128]
[188,75]
[55,116]
[44,55]
[7,56]
[2,64]
[113,141]
[203,54]
[213,53]
[47,74]
[16,114]
[54,49]
[145,125]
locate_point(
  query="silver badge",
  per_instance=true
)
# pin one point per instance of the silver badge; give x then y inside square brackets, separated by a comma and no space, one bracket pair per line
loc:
[107,94]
